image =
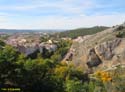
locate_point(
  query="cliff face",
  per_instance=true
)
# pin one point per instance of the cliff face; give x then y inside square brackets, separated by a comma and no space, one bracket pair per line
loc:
[111,52]
[103,49]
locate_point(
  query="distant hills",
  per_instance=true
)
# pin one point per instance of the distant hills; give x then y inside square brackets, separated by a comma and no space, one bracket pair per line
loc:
[27,30]
[62,33]
[82,31]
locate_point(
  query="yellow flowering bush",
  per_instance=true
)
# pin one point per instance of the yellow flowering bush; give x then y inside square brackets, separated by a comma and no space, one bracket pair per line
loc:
[61,71]
[103,75]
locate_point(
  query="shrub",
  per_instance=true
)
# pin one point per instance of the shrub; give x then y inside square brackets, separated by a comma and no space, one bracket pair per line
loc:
[120,34]
[120,28]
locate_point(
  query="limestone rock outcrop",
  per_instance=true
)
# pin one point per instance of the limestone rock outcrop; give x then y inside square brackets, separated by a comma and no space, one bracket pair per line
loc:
[102,49]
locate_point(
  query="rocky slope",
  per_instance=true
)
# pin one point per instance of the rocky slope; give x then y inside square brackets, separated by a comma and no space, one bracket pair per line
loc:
[103,49]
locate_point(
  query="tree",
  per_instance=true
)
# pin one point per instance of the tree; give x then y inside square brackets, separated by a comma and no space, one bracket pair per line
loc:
[74,86]
[8,66]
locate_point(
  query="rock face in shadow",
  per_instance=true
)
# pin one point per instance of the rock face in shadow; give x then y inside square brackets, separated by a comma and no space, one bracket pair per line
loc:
[93,59]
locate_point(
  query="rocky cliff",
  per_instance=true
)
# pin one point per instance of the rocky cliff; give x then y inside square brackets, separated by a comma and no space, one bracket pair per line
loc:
[103,49]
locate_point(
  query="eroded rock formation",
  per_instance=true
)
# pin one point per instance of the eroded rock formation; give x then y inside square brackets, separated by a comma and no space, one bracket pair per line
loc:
[102,49]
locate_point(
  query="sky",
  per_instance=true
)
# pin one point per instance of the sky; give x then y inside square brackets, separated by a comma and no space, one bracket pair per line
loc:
[60,14]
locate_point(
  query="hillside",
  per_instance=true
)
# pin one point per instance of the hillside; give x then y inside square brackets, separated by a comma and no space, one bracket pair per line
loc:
[95,63]
[102,49]
[82,31]
[102,57]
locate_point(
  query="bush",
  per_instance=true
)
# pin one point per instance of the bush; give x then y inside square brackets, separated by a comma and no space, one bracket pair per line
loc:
[120,28]
[120,34]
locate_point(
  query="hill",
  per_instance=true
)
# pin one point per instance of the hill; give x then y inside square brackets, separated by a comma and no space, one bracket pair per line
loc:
[103,53]
[11,31]
[82,31]
[103,49]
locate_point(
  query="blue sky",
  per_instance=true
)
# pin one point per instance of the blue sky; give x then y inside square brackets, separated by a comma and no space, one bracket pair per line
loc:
[60,14]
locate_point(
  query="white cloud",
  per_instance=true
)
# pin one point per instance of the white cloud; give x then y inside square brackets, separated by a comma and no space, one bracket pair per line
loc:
[82,21]
[60,22]
[76,9]
[66,6]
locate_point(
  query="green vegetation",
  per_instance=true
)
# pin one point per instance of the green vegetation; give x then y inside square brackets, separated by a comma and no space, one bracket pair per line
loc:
[120,28]
[63,47]
[2,43]
[49,75]
[39,74]
[120,32]
[82,31]
[31,75]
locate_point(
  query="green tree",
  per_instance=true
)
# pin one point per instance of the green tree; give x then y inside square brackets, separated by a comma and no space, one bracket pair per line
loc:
[8,66]
[74,86]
